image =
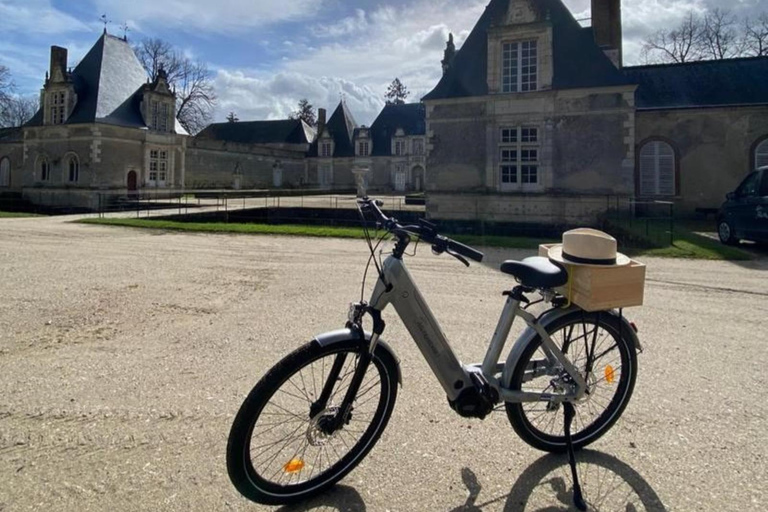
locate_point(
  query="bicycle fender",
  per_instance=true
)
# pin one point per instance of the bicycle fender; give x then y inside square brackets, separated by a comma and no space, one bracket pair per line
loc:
[550,316]
[329,338]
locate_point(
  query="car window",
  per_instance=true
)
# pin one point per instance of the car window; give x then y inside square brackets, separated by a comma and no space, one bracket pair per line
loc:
[764,186]
[749,186]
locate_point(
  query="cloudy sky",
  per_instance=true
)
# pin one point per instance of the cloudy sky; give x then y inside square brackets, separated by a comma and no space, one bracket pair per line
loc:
[267,54]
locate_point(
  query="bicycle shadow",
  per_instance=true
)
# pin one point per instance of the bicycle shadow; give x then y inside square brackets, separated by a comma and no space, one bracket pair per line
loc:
[608,484]
[339,498]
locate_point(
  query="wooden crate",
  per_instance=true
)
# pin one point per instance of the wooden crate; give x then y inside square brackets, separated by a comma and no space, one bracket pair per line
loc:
[596,288]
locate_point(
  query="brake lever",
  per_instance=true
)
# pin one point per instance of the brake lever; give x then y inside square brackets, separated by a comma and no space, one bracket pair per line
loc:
[458,257]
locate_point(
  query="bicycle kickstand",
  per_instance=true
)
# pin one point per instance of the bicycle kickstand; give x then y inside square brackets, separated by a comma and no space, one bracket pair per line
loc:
[578,498]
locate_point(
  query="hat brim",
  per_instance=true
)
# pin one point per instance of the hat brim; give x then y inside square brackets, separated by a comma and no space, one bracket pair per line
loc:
[556,254]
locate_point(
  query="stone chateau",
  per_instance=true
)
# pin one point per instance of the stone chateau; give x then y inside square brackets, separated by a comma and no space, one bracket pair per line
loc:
[104,130]
[535,118]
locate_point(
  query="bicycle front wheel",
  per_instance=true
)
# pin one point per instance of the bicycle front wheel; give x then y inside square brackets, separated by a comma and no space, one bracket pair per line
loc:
[281,449]
[601,350]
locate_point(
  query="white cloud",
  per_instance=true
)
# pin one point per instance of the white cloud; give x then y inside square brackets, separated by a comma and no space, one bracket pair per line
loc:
[36,16]
[219,17]
[275,97]
[363,53]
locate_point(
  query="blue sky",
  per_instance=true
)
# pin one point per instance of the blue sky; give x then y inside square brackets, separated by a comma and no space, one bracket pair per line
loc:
[267,54]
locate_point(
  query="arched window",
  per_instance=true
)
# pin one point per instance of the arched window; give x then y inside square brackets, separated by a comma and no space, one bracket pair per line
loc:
[73,169]
[657,169]
[45,169]
[761,154]
[5,172]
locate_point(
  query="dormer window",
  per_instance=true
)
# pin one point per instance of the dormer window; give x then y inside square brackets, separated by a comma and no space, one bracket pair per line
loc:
[363,148]
[160,116]
[400,148]
[326,150]
[418,146]
[58,103]
[519,69]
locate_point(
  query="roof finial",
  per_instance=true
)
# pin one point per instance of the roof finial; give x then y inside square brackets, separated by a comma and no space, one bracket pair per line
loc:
[124,27]
[449,54]
[105,21]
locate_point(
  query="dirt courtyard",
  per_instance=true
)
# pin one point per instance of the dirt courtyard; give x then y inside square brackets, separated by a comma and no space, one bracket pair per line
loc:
[125,354]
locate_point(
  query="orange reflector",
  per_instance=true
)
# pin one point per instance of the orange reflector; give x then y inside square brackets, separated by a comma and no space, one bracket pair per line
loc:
[294,466]
[609,374]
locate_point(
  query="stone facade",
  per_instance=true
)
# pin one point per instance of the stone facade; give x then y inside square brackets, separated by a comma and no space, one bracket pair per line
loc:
[713,149]
[535,110]
[510,133]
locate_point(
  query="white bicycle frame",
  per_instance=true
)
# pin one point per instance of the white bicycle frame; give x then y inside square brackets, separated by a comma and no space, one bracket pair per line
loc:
[399,289]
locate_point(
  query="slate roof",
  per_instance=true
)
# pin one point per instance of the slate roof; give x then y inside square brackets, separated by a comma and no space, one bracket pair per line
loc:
[341,126]
[411,117]
[701,84]
[289,131]
[108,83]
[578,61]
[11,135]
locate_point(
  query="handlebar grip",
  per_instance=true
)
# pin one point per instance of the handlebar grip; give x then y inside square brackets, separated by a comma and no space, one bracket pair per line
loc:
[465,251]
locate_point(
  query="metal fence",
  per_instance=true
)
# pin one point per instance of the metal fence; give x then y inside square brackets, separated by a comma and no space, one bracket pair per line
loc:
[335,208]
[635,223]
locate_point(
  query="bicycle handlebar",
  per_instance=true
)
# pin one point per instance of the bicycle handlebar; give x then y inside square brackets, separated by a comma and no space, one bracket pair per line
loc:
[426,231]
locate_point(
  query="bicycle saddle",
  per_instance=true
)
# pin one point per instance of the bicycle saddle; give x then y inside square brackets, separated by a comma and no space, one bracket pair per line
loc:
[536,272]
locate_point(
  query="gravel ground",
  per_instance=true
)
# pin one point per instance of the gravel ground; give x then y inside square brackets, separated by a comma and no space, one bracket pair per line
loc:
[124,355]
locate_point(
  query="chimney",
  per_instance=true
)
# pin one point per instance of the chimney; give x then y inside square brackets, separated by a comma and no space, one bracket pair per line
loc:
[606,25]
[320,121]
[58,64]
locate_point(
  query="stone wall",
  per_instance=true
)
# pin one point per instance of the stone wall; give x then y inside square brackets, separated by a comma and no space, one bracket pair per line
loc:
[214,164]
[561,209]
[13,150]
[586,146]
[714,149]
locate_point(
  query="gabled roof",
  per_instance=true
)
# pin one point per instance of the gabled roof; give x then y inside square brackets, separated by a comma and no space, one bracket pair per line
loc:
[289,131]
[341,127]
[410,117]
[701,84]
[577,60]
[109,85]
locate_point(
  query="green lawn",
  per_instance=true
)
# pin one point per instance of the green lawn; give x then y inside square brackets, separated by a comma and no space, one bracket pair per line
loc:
[686,244]
[11,215]
[657,239]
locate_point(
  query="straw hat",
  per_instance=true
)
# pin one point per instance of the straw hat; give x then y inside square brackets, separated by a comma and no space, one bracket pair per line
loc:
[588,247]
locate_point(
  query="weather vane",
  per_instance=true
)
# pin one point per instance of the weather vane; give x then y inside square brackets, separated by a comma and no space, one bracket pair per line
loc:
[105,21]
[125,28]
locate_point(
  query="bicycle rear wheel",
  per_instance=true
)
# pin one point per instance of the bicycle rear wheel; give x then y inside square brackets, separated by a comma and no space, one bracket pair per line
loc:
[280,448]
[601,349]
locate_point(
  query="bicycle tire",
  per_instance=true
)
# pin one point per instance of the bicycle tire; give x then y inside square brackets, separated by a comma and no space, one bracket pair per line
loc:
[306,442]
[583,433]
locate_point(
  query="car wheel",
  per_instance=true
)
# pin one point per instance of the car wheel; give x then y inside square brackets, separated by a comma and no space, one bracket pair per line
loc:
[725,232]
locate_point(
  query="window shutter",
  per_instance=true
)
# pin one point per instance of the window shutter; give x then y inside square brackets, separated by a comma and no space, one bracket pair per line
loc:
[657,169]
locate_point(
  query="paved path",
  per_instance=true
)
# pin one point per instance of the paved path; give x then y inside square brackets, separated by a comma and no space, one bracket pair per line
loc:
[124,355]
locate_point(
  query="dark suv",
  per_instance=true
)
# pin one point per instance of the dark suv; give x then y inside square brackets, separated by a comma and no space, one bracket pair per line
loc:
[744,215]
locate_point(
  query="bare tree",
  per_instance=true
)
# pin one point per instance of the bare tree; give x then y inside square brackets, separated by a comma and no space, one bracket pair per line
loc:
[756,36]
[6,87]
[154,53]
[305,112]
[719,36]
[192,81]
[195,97]
[19,110]
[682,44]
[232,118]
